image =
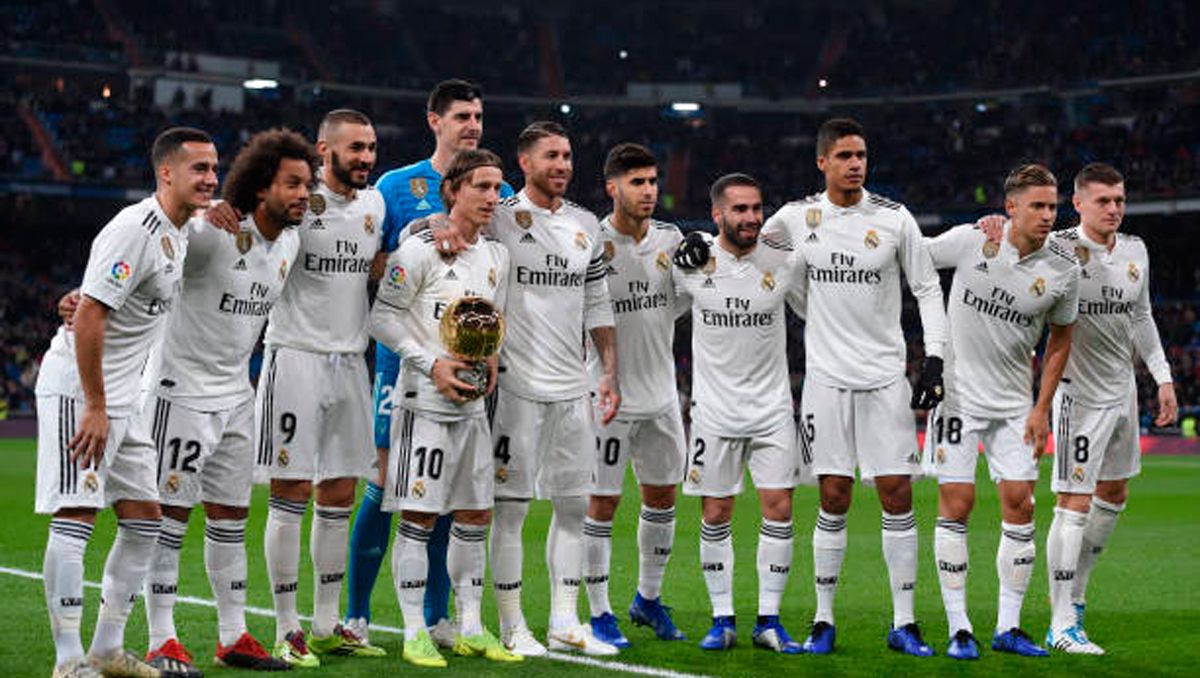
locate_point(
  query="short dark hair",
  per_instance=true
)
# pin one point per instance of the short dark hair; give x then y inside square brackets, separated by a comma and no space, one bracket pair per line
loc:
[625,157]
[340,116]
[447,92]
[461,166]
[1027,176]
[169,141]
[256,165]
[717,192]
[538,130]
[1098,173]
[835,128]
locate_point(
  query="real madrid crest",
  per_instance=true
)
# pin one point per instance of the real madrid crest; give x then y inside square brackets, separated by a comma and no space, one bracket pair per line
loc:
[939,455]
[768,281]
[694,476]
[418,489]
[872,239]
[610,250]
[316,203]
[1038,288]
[172,483]
[168,248]
[524,218]
[581,240]
[1083,254]
[812,217]
[283,268]
[243,240]
[418,187]
[1077,475]
[368,224]
[91,482]
[990,249]
[662,261]
[492,276]
[282,457]
[1133,272]
[502,475]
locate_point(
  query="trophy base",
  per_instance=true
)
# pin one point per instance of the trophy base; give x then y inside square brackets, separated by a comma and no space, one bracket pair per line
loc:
[477,377]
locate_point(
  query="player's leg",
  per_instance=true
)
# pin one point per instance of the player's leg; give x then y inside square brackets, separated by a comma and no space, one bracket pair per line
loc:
[287,425]
[1014,468]
[827,426]
[471,494]
[225,490]
[516,433]
[1081,436]
[715,466]
[130,486]
[1122,461]
[612,457]
[773,468]
[372,527]
[344,455]
[952,447]
[659,459]
[61,493]
[438,584]
[565,476]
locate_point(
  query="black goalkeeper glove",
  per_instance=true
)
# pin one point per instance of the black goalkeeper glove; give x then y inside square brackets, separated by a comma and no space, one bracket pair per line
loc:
[930,390]
[694,251]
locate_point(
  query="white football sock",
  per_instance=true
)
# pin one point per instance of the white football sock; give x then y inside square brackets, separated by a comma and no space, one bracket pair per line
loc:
[506,553]
[1014,566]
[410,568]
[328,546]
[716,561]
[1101,521]
[162,582]
[900,554]
[774,563]
[597,539]
[225,561]
[281,546]
[62,572]
[1062,557]
[564,559]
[829,549]
[953,562]
[656,538]
[124,574]
[465,560]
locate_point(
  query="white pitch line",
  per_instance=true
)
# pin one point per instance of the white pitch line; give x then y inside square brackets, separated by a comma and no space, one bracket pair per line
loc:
[637,669]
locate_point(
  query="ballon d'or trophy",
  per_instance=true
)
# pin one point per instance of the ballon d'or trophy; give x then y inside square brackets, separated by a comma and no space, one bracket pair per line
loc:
[472,329]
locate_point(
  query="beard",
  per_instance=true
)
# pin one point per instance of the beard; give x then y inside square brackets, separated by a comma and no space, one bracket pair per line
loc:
[731,234]
[344,172]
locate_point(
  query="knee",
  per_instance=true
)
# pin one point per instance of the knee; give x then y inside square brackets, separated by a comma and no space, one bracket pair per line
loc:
[777,505]
[956,503]
[836,493]
[603,507]
[336,492]
[1113,491]
[895,494]
[717,511]
[658,496]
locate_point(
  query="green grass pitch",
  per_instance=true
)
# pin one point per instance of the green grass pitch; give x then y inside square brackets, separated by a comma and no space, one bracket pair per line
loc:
[1144,605]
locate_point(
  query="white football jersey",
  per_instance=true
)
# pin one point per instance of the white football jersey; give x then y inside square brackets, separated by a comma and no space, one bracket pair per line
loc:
[854,256]
[1115,320]
[999,303]
[556,291]
[417,286]
[230,283]
[324,306]
[644,310]
[134,268]
[739,338]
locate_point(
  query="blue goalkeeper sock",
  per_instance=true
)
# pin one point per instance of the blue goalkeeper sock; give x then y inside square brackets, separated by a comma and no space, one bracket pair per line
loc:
[437,583]
[368,545]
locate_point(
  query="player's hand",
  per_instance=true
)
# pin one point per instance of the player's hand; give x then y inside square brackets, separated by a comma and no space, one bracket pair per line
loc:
[930,389]
[445,379]
[224,216]
[1037,429]
[1168,406]
[87,446]
[66,308]
[992,226]
[447,239]
[694,251]
[610,398]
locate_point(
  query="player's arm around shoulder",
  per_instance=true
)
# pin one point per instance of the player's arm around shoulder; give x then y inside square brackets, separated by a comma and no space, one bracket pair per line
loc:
[948,249]
[402,280]
[780,227]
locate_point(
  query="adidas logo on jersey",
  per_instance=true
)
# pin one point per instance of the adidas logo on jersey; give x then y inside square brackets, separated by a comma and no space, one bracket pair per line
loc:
[240,265]
[708,283]
[812,237]
[527,238]
[317,225]
[451,275]
[982,267]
